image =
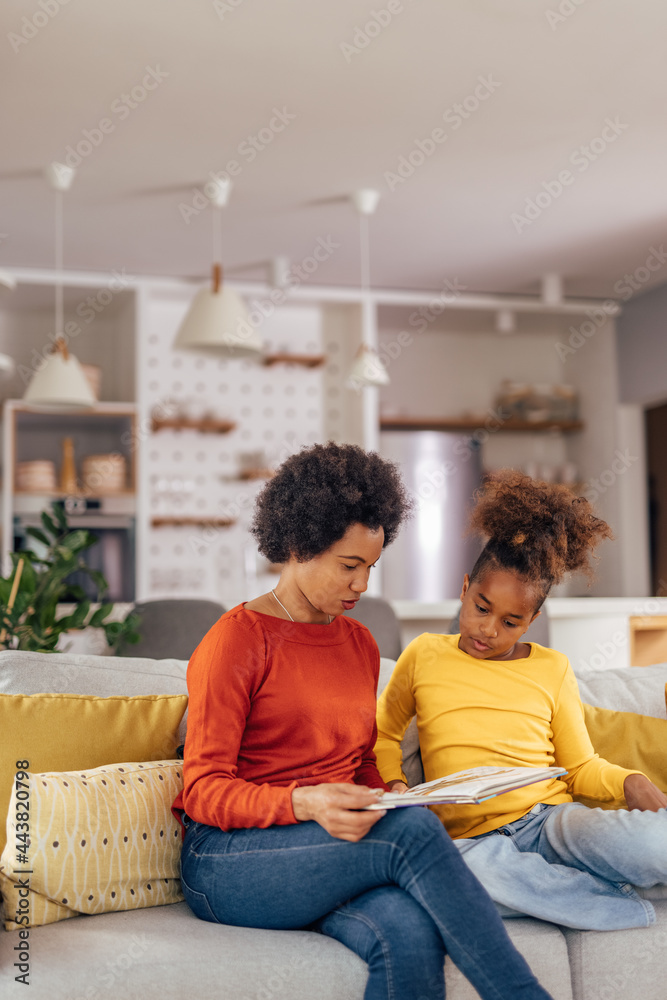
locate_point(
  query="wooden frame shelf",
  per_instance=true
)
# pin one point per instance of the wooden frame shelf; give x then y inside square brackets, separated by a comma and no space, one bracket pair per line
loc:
[191,522]
[465,424]
[206,426]
[305,360]
[648,639]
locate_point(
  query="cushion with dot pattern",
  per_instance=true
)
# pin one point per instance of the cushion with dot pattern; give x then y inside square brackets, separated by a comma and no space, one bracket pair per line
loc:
[99,840]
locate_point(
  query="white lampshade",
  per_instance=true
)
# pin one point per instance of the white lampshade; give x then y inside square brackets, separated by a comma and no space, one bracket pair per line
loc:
[367,369]
[217,325]
[6,366]
[60,384]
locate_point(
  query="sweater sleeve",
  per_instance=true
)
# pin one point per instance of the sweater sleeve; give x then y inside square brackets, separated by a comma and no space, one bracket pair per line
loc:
[224,672]
[396,707]
[588,774]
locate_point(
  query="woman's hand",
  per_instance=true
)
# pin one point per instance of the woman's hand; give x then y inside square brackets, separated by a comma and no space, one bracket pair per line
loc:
[333,807]
[640,793]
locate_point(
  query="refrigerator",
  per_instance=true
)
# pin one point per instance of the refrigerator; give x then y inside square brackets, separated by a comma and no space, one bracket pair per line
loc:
[442,470]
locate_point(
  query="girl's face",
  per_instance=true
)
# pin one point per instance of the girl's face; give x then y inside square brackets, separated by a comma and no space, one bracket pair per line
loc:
[334,581]
[496,610]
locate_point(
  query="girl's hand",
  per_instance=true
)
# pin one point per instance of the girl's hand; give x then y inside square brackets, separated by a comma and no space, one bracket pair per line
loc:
[399,787]
[640,793]
[333,807]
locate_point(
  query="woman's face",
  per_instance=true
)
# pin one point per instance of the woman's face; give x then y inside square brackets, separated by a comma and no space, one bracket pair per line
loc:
[334,581]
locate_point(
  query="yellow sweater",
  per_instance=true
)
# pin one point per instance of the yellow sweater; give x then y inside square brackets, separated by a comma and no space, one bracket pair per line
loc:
[470,712]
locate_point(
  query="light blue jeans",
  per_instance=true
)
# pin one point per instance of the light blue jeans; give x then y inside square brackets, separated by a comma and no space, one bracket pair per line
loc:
[573,865]
[400,898]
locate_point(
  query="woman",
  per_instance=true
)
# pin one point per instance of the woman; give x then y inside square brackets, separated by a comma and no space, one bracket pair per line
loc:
[279,760]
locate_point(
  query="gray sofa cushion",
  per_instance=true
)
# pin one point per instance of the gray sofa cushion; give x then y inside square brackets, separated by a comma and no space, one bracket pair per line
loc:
[618,965]
[166,952]
[626,689]
[84,673]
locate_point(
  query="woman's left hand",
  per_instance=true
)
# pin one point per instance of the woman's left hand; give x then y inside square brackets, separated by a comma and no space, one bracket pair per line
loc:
[640,793]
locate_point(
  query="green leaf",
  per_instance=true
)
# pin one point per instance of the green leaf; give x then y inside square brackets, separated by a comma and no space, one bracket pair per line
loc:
[59,514]
[97,618]
[50,524]
[28,578]
[39,535]
[77,540]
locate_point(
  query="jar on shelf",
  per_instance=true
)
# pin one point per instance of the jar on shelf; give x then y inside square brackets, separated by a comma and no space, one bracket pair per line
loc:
[512,399]
[565,404]
[538,407]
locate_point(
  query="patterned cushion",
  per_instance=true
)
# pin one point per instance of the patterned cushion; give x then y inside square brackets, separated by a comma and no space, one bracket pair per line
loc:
[67,732]
[101,839]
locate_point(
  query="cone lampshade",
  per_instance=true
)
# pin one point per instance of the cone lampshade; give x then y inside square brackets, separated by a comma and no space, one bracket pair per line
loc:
[367,369]
[217,324]
[60,384]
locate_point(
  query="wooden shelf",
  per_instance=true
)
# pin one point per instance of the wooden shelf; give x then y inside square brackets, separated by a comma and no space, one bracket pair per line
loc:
[192,522]
[648,640]
[183,424]
[305,360]
[495,426]
[256,474]
[83,495]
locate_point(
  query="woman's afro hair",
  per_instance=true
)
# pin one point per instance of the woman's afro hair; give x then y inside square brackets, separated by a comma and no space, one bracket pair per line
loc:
[318,493]
[538,530]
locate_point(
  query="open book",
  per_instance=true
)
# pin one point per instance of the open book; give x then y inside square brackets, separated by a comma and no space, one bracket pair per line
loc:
[472,786]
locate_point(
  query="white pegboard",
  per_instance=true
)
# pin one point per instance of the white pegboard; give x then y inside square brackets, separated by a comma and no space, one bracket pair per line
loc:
[277,409]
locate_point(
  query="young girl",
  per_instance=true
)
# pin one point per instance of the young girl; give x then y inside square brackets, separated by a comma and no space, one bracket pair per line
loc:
[484,697]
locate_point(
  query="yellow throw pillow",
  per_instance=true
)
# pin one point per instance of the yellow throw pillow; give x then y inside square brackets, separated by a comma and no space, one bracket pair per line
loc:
[637,742]
[101,839]
[65,732]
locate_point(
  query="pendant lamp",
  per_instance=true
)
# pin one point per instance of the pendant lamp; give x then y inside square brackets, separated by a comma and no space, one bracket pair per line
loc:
[217,322]
[60,383]
[367,368]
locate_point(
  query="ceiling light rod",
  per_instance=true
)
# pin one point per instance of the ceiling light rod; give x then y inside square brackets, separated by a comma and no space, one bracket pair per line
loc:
[367,368]
[60,384]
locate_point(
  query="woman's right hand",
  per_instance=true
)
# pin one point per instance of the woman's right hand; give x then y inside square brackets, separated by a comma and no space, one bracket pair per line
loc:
[336,808]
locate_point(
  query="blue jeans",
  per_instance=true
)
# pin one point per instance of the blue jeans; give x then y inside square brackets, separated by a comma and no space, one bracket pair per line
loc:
[573,865]
[400,898]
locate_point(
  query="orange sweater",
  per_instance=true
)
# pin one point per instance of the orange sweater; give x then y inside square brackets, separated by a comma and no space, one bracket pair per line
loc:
[276,704]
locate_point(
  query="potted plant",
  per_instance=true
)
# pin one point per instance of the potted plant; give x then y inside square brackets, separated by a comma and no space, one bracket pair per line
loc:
[38,583]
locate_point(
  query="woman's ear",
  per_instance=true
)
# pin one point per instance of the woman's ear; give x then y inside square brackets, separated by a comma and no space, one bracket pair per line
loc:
[464,589]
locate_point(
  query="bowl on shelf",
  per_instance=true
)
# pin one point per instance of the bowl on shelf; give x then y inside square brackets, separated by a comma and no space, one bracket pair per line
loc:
[102,474]
[36,476]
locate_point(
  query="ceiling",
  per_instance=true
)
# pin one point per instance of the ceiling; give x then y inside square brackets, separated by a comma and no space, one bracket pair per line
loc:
[361,96]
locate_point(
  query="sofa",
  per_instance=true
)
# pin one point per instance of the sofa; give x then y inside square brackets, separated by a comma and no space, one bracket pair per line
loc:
[166,952]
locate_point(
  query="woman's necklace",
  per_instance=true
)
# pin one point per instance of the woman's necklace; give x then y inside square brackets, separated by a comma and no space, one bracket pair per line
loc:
[287,612]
